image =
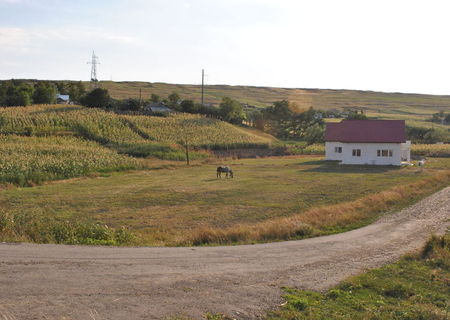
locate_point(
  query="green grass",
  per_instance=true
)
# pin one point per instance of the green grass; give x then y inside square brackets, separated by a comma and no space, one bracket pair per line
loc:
[164,207]
[416,287]
[416,109]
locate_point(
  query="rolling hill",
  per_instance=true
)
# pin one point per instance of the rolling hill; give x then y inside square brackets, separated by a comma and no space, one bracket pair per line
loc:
[416,109]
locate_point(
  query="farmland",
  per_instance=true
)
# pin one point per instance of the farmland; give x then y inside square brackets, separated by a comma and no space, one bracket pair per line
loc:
[129,202]
[133,135]
[28,160]
[269,199]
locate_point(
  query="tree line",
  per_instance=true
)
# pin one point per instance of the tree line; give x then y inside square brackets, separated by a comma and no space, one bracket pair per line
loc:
[27,92]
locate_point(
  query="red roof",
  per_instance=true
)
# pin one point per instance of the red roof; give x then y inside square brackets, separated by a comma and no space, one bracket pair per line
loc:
[383,131]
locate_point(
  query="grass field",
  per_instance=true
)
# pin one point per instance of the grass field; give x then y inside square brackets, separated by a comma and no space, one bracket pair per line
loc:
[416,109]
[190,206]
[415,288]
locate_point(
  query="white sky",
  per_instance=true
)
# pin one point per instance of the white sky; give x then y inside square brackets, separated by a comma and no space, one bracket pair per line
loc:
[378,45]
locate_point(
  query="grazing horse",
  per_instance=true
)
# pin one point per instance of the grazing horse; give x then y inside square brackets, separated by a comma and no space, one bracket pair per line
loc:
[224,169]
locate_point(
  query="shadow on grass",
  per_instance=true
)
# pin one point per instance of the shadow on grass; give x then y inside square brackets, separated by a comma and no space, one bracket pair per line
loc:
[327,166]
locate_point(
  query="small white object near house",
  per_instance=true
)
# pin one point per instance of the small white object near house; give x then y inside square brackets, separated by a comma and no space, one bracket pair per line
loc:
[62,98]
[371,142]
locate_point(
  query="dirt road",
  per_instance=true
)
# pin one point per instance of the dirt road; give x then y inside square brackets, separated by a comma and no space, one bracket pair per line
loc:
[76,282]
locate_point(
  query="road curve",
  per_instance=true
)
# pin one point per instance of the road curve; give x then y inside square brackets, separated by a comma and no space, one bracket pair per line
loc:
[80,282]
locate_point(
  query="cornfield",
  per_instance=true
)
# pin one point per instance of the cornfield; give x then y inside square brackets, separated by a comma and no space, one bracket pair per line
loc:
[199,131]
[29,160]
[431,150]
[127,134]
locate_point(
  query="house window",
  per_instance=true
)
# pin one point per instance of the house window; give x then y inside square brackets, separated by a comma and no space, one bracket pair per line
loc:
[338,149]
[356,152]
[384,153]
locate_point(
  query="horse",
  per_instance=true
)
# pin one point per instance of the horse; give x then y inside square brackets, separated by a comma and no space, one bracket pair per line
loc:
[224,169]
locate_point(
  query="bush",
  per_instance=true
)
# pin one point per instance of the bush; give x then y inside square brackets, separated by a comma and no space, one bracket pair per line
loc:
[97,98]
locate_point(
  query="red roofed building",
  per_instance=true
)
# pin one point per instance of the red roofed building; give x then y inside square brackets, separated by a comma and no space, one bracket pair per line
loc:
[375,142]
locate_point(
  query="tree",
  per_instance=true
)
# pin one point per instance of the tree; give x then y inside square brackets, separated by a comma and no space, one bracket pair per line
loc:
[76,91]
[232,111]
[314,134]
[155,98]
[173,100]
[356,115]
[97,98]
[188,106]
[436,135]
[44,93]
[129,105]
[16,93]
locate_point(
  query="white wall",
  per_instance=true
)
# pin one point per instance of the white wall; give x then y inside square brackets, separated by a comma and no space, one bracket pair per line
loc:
[368,153]
[406,150]
[329,151]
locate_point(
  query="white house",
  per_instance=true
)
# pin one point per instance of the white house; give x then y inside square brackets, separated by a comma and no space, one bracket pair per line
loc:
[374,142]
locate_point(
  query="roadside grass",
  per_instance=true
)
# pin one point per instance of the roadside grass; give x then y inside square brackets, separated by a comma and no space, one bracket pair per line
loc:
[416,287]
[269,199]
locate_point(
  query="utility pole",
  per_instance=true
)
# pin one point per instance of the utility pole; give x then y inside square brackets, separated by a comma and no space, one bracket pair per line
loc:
[203,83]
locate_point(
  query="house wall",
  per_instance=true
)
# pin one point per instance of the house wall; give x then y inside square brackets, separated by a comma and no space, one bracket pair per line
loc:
[329,151]
[368,153]
[406,151]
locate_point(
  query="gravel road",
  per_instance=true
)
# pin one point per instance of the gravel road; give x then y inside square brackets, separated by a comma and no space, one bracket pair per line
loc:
[79,282]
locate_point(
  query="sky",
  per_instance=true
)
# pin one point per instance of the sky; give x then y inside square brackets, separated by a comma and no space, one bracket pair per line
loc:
[380,45]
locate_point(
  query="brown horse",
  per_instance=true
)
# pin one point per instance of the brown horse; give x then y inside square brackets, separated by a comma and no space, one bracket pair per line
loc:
[224,169]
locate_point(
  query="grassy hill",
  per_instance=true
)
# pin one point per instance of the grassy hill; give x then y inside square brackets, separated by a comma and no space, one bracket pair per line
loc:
[415,108]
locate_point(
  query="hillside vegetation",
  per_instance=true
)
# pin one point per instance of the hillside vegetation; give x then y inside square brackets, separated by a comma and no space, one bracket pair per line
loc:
[416,109]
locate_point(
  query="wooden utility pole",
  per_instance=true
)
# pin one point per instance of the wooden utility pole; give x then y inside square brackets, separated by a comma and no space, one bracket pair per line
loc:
[186,132]
[203,83]
[187,151]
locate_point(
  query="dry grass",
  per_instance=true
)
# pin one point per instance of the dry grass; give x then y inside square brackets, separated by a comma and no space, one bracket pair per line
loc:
[320,220]
[269,199]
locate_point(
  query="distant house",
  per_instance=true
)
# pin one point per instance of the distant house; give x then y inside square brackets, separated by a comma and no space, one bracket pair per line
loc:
[62,98]
[373,142]
[158,107]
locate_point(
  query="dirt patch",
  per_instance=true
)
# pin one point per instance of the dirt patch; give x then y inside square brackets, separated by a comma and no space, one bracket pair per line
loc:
[76,282]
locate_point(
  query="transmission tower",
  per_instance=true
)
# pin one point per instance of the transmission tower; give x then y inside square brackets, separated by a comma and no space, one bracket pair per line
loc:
[94,62]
